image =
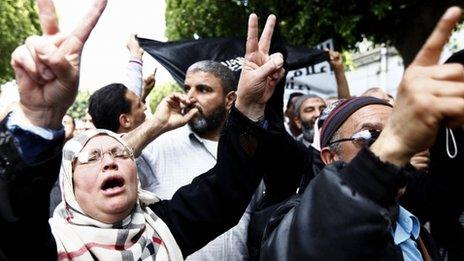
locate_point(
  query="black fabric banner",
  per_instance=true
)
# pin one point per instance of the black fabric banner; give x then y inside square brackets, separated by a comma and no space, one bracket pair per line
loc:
[177,56]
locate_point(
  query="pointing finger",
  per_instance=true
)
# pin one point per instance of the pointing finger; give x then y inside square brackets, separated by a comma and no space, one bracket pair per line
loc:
[431,50]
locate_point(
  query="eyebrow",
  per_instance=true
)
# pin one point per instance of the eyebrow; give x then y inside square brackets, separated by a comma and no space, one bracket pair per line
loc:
[204,86]
[371,125]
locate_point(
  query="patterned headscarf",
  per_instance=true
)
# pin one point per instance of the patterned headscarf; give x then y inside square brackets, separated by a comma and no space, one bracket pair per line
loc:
[140,236]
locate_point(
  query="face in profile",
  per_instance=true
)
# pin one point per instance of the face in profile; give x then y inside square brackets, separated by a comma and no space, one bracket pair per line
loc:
[138,108]
[105,179]
[87,122]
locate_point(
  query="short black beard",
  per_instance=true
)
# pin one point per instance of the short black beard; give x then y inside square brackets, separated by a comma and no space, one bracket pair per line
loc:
[204,124]
[308,131]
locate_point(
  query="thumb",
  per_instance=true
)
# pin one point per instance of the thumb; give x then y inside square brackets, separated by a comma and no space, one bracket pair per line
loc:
[274,63]
[189,115]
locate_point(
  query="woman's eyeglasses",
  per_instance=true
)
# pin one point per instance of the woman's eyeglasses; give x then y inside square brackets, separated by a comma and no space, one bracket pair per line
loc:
[361,138]
[95,155]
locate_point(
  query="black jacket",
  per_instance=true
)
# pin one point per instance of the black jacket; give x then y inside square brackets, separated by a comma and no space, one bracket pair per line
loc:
[196,214]
[348,210]
[345,213]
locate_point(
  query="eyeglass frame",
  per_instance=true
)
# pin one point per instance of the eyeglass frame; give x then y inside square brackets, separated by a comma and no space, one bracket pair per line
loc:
[373,132]
[125,148]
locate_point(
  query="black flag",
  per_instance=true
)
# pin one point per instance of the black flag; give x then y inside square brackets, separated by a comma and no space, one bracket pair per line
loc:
[176,57]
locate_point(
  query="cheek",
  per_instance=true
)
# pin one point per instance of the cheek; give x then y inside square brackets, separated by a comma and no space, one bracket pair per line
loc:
[84,183]
[132,174]
[211,101]
[348,151]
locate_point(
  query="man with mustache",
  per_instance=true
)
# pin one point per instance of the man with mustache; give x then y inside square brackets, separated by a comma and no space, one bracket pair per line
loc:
[178,156]
[307,109]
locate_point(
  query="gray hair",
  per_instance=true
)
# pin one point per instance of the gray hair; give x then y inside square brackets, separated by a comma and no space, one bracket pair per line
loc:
[226,76]
[336,147]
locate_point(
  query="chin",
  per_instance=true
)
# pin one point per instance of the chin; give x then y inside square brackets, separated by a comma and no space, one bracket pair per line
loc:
[119,205]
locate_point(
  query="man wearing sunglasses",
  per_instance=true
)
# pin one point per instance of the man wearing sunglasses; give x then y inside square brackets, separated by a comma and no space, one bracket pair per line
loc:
[351,210]
[352,125]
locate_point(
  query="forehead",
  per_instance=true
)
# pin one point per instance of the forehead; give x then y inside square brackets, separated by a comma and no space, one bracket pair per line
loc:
[131,96]
[312,102]
[374,116]
[102,142]
[199,77]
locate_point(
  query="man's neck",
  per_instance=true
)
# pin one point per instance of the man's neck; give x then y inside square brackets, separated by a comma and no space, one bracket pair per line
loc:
[123,130]
[211,135]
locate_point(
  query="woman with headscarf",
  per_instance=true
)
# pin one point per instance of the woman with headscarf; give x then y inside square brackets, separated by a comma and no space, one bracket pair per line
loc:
[105,215]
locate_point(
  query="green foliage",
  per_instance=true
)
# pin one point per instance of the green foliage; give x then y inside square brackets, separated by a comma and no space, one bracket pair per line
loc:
[80,105]
[404,24]
[207,18]
[161,91]
[18,20]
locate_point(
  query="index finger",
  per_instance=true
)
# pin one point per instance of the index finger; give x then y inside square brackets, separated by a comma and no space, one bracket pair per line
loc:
[252,37]
[431,50]
[47,17]
[266,36]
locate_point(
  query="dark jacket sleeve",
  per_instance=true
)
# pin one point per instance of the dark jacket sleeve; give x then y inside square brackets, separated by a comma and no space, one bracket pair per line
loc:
[345,213]
[24,196]
[447,177]
[216,200]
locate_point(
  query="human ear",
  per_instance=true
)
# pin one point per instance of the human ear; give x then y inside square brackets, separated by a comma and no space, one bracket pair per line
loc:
[124,121]
[230,98]
[328,156]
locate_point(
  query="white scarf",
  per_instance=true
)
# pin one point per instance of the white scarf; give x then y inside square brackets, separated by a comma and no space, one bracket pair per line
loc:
[140,236]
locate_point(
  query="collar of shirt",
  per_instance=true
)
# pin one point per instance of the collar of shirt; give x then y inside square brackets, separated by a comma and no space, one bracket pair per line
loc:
[407,226]
[195,138]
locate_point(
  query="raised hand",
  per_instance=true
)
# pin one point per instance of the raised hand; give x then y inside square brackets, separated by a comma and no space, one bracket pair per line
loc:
[148,85]
[336,60]
[260,72]
[428,95]
[47,66]
[170,113]
[134,47]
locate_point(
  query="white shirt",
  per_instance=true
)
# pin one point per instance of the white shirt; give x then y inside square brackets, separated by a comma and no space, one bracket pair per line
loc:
[176,158]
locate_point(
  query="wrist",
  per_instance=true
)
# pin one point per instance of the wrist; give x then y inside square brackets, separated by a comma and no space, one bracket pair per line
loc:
[390,149]
[136,55]
[339,69]
[158,127]
[47,118]
[252,111]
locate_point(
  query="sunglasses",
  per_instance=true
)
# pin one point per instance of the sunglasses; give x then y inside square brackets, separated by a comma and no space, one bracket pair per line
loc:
[362,138]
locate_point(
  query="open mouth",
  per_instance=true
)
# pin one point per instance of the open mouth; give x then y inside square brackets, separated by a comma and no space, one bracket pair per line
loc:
[112,183]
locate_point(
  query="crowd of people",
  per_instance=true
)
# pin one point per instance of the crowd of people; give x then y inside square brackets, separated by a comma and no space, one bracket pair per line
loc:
[221,172]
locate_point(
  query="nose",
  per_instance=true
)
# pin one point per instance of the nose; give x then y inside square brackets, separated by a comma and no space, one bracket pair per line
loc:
[109,163]
[191,93]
